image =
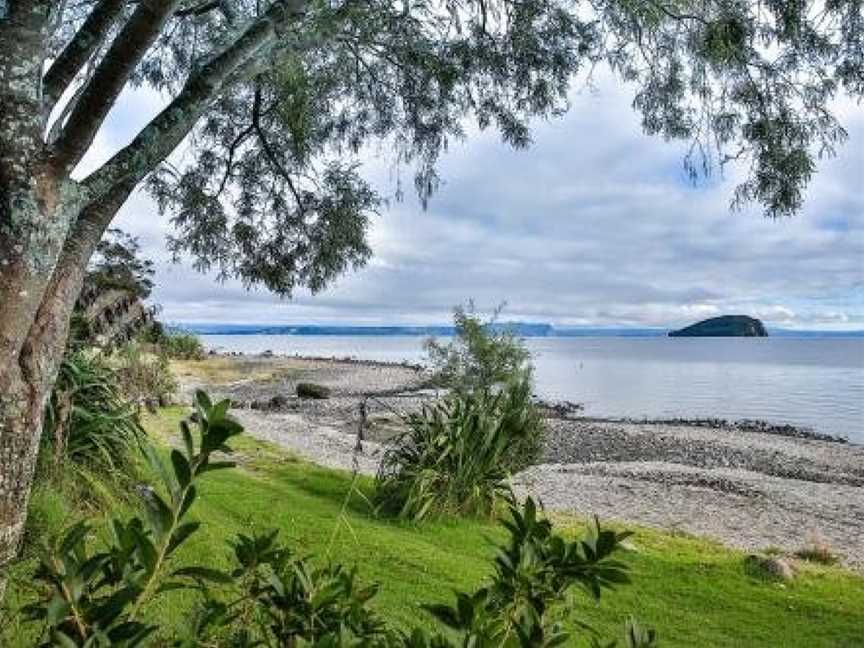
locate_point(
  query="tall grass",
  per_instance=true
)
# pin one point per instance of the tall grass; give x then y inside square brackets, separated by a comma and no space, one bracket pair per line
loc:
[456,457]
[88,420]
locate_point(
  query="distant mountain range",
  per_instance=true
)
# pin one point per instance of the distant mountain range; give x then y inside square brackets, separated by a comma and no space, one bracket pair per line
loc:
[522,329]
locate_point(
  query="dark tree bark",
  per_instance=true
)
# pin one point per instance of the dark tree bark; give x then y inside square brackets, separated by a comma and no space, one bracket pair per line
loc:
[50,224]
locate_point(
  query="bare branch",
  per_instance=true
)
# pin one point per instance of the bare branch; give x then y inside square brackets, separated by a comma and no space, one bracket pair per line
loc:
[79,50]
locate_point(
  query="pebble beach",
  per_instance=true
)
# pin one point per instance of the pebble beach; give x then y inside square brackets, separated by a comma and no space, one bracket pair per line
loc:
[748,485]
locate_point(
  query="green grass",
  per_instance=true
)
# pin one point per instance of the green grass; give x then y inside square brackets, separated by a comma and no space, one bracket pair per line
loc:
[694,592]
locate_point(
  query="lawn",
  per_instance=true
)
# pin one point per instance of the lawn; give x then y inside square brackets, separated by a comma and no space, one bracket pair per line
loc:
[694,592]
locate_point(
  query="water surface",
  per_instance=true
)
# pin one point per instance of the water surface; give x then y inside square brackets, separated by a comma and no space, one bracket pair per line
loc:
[815,382]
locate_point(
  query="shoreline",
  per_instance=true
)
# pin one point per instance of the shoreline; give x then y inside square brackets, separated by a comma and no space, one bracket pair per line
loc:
[748,485]
[564,409]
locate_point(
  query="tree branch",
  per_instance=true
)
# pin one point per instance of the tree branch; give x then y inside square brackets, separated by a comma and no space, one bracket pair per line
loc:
[99,95]
[165,131]
[79,50]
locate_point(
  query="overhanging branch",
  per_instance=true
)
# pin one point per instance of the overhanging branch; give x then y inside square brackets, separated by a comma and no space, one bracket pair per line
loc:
[109,79]
[165,131]
[79,50]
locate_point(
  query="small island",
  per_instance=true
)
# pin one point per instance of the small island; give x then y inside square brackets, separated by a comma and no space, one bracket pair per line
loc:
[724,326]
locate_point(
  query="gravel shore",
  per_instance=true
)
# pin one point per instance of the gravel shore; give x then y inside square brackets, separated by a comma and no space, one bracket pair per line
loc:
[750,485]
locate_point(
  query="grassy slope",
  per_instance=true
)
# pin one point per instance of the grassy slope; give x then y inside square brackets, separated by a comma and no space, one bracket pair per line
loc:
[694,592]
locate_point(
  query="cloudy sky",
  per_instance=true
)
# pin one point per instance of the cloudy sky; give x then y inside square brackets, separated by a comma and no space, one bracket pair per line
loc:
[596,225]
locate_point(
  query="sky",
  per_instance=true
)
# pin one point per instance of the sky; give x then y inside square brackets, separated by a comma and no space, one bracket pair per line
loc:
[596,224]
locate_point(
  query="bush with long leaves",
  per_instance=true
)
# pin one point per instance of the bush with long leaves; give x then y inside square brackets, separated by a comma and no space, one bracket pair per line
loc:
[88,419]
[456,456]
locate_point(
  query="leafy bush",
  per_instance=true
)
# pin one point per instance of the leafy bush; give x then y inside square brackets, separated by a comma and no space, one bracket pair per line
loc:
[87,419]
[482,355]
[99,597]
[96,598]
[144,376]
[182,346]
[486,357]
[281,600]
[533,572]
[456,455]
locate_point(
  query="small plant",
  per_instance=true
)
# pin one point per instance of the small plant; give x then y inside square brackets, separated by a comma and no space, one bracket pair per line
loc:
[533,574]
[482,355]
[144,377]
[182,346]
[455,457]
[279,599]
[96,598]
[817,551]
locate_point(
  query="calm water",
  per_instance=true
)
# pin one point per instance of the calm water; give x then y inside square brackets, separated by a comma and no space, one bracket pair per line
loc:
[814,382]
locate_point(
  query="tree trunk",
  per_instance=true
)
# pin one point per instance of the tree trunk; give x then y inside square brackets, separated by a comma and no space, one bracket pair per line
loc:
[33,225]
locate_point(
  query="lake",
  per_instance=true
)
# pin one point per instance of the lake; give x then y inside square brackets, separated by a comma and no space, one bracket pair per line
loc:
[814,382]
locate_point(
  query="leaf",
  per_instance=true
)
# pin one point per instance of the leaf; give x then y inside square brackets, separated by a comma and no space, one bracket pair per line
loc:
[56,610]
[187,439]
[159,514]
[181,534]
[204,574]
[182,471]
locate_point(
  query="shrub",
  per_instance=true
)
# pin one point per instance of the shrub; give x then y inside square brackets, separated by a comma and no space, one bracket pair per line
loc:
[486,357]
[456,455]
[817,551]
[96,598]
[87,419]
[311,390]
[532,573]
[481,356]
[144,376]
[182,346]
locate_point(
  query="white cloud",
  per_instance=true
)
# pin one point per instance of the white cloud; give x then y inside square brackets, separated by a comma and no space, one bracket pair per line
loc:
[595,224]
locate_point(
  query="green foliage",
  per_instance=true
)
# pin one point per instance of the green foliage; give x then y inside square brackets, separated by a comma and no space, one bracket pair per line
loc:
[456,455]
[273,195]
[533,573]
[482,355]
[283,600]
[181,345]
[110,309]
[94,598]
[98,596]
[144,376]
[118,264]
[88,419]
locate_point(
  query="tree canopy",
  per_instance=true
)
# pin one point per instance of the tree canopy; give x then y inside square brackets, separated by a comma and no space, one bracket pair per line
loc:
[279,100]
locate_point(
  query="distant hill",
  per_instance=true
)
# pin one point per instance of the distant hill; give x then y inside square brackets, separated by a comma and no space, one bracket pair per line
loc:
[522,329]
[724,326]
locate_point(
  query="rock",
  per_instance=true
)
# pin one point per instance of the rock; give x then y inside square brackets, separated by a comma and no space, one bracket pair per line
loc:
[267,354]
[312,390]
[277,402]
[725,326]
[772,567]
